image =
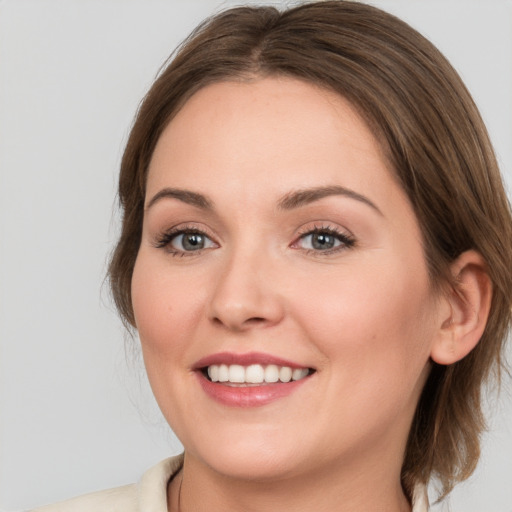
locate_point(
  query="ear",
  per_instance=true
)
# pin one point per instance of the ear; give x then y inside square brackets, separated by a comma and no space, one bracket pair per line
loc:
[464,311]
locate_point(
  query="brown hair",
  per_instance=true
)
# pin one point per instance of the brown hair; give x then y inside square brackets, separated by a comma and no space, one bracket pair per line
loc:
[430,130]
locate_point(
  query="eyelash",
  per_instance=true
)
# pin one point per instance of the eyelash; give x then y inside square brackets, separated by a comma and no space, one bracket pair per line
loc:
[347,241]
[165,240]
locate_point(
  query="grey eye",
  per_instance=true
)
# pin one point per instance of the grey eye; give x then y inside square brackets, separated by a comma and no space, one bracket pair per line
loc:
[191,242]
[320,241]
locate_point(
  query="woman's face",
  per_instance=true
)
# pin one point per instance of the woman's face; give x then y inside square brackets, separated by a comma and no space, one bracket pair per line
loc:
[277,243]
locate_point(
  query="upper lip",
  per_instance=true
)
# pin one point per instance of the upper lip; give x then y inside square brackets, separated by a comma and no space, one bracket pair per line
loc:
[245,360]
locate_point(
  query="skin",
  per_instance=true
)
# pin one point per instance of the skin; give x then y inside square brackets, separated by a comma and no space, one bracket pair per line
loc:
[364,317]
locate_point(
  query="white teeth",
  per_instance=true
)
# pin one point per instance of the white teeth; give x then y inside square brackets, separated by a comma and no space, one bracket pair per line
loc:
[299,373]
[213,373]
[223,373]
[271,373]
[254,373]
[285,374]
[236,373]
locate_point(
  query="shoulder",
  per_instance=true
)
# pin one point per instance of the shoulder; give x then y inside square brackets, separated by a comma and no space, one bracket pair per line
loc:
[150,493]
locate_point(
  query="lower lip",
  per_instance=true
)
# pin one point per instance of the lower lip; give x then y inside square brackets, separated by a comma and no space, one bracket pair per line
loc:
[249,396]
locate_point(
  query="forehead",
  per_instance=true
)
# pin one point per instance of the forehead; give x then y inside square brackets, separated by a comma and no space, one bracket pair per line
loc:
[273,133]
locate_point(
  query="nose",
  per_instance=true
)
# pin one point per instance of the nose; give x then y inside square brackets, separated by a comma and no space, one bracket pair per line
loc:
[247,293]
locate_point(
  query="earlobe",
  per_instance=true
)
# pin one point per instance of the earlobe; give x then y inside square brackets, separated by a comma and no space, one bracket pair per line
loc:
[467,302]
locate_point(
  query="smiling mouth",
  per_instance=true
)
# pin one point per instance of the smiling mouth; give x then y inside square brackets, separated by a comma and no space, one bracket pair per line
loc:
[253,375]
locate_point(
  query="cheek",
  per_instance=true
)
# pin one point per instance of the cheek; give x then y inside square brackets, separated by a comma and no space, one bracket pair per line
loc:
[374,332]
[166,311]
[374,321]
[167,315]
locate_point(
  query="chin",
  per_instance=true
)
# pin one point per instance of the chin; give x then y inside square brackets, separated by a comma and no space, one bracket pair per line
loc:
[249,458]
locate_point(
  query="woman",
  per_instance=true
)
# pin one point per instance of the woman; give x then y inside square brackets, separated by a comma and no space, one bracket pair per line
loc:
[316,254]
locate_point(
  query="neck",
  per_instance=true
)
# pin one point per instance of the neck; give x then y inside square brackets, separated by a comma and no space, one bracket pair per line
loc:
[198,488]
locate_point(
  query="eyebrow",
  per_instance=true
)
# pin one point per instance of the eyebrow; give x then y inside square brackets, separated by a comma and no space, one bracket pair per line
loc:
[290,201]
[186,196]
[306,196]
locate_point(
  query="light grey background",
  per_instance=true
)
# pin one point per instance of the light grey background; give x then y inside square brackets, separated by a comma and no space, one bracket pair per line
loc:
[76,414]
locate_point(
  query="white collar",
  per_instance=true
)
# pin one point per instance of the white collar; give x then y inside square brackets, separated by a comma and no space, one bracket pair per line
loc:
[420,498]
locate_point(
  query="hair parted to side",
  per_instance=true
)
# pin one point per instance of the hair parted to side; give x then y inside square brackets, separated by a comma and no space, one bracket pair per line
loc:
[429,129]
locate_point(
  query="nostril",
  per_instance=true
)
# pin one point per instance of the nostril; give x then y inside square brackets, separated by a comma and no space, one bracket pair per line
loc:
[255,320]
[249,322]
